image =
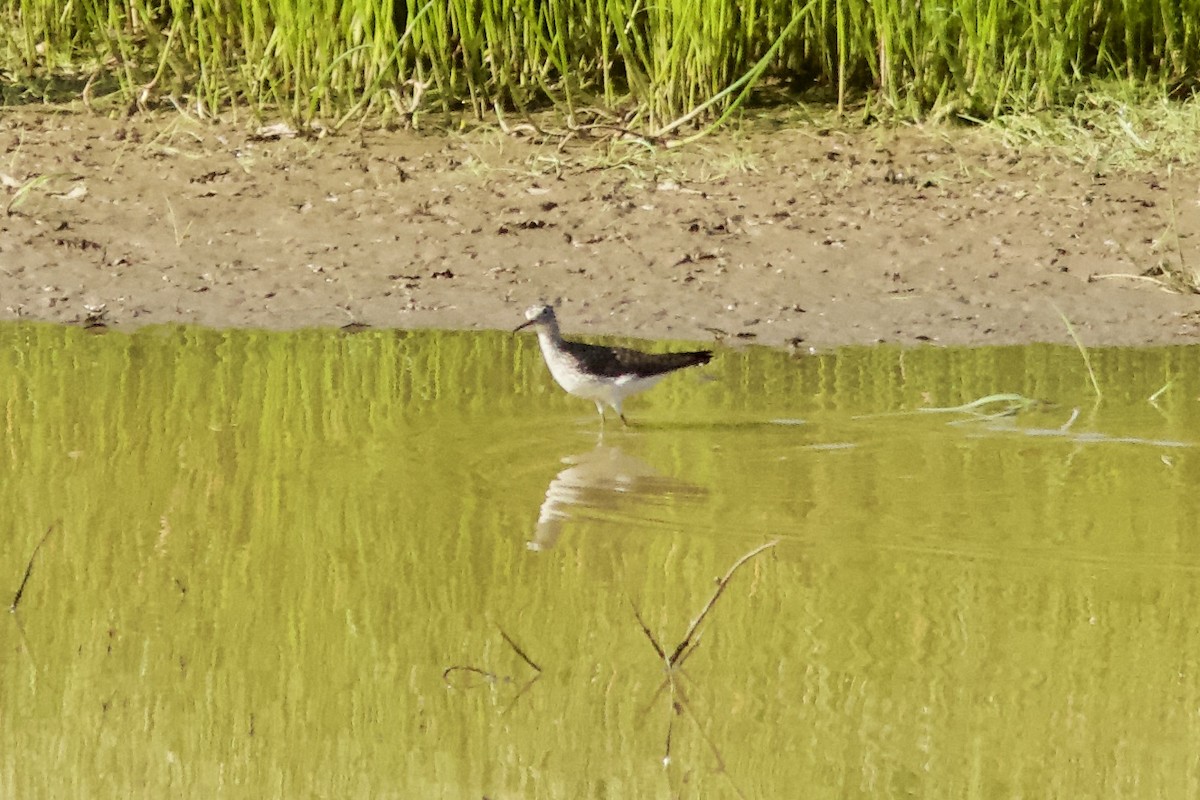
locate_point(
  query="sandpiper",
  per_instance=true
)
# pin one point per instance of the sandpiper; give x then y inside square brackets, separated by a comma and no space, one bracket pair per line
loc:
[598,373]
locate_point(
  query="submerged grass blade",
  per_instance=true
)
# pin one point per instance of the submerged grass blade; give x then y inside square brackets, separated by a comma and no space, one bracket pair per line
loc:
[1010,403]
[1006,404]
[1153,399]
[1087,358]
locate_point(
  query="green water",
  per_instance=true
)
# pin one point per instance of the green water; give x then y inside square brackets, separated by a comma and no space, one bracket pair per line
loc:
[266,550]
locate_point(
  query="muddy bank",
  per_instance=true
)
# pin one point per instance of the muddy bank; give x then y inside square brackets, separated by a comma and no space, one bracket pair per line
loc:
[796,235]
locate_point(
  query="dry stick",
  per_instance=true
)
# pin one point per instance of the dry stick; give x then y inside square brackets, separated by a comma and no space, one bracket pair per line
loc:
[29,570]
[688,651]
[490,676]
[646,630]
[716,595]
[518,650]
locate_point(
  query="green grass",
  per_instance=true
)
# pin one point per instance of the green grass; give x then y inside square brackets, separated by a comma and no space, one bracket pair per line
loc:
[639,65]
[1083,353]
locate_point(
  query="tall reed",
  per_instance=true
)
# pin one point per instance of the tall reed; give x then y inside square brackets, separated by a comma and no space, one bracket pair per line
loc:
[651,60]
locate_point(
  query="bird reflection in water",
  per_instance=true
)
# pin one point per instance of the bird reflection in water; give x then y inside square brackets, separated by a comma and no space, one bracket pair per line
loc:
[603,479]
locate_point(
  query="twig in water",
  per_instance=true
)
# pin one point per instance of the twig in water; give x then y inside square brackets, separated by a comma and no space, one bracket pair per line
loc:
[693,647]
[29,570]
[490,677]
[517,649]
[721,584]
[646,630]
[679,701]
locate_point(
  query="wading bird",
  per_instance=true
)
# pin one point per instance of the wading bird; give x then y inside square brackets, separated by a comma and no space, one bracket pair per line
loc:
[604,375]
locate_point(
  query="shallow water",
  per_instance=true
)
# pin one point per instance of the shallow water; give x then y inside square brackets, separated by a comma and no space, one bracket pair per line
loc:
[286,565]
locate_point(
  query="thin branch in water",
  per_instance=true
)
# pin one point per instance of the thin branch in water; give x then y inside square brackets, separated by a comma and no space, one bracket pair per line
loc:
[490,677]
[721,584]
[517,649]
[646,630]
[695,645]
[29,570]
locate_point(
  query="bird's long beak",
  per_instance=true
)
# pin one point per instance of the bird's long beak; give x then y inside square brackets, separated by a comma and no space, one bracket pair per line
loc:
[523,325]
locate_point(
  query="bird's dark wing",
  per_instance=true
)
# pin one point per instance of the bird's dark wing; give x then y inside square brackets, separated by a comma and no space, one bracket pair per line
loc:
[613,362]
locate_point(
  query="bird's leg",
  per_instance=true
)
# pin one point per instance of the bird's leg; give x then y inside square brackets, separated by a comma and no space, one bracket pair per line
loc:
[620,413]
[600,408]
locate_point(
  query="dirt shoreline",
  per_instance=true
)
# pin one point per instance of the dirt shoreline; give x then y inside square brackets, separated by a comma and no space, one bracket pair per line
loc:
[813,238]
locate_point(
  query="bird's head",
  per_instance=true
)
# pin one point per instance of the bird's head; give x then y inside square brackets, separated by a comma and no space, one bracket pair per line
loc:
[538,315]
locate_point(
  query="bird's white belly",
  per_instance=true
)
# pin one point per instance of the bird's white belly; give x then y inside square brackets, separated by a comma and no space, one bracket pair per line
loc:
[608,390]
[592,387]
